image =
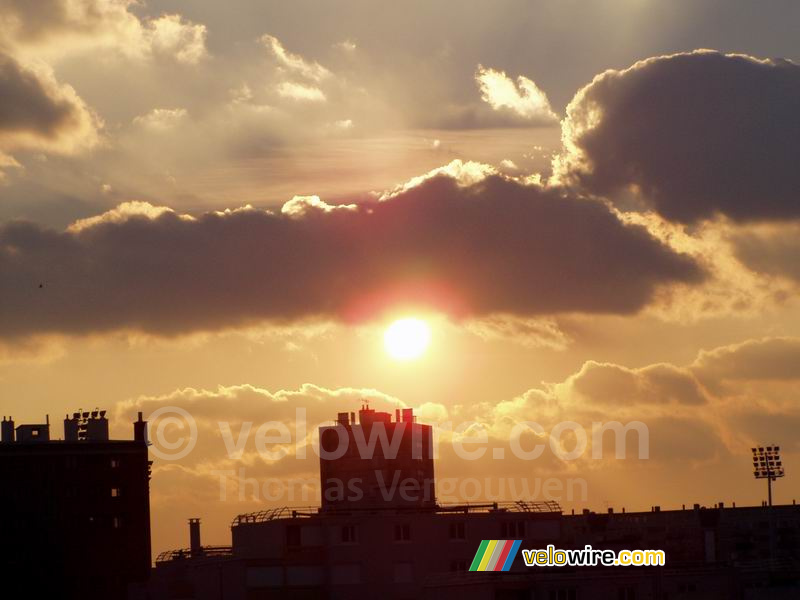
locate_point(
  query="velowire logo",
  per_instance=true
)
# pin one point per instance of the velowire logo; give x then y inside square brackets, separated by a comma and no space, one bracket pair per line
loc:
[495,555]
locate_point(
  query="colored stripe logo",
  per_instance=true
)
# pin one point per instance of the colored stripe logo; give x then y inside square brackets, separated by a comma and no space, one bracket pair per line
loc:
[495,555]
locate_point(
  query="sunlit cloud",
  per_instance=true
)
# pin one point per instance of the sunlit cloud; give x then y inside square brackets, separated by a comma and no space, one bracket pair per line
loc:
[465,173]
[346,45]
[343,124]
[172,35]
[733,286]
[59,28]
[299,91]
[294,64]
[121,214]
[301,206]
[522,97]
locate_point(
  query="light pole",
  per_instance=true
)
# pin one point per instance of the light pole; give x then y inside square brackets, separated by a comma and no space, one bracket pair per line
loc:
[767,465]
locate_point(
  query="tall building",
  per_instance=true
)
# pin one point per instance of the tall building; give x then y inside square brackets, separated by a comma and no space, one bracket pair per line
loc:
[375,461]
[75,511]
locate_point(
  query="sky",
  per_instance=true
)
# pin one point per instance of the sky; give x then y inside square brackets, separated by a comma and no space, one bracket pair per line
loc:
[591,207]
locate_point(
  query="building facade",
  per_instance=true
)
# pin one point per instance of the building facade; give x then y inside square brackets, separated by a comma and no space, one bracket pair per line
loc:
[374,461]
[76,512]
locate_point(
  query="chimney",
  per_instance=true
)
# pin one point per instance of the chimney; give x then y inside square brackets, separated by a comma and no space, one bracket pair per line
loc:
[140,430]
[194,537]
[7,433]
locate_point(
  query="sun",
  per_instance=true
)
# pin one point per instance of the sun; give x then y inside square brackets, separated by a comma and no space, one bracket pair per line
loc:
[407,339]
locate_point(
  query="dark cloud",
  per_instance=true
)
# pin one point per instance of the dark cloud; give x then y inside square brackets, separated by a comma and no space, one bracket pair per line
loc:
[36,111]
[28,103]
[494,246]
[697,134]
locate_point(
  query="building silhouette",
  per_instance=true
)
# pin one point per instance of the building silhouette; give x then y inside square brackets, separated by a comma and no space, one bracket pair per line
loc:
[380,546]
[356,469]
[76,512]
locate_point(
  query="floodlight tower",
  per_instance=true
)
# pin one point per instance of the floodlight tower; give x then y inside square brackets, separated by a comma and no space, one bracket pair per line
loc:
[767,465]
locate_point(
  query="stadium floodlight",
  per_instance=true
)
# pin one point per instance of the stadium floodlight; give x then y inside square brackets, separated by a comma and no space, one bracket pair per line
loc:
[767,464]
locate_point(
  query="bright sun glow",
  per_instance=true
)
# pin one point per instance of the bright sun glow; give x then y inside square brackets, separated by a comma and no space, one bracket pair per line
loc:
[407,339]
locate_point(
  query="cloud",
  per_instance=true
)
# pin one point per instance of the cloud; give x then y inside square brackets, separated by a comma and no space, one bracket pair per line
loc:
[714,406]
[298,91]
[523,98]
[504,103]
[32,21]
[297,78]
[770,248]
[294,64]
[172,35]
[56,28]
[256,405]
[531,333]
[614,385]
[694,135]
[301,206]
[161,119]
[686,424]
[343,124]
[348,46]
[774,358]
[120,214]
[492,246]
[38,112]
[231,409]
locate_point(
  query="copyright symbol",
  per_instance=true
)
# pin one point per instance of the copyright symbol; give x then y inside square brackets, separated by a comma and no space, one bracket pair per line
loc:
[173,450]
